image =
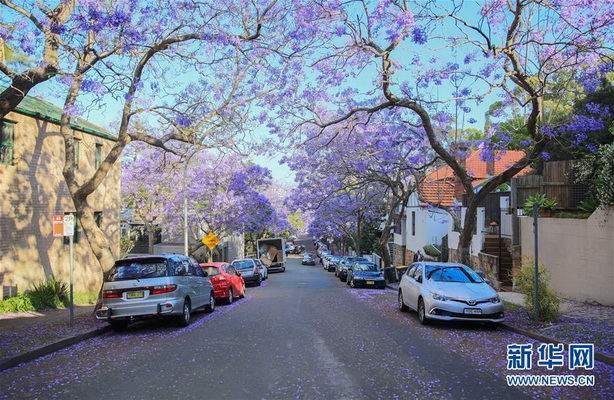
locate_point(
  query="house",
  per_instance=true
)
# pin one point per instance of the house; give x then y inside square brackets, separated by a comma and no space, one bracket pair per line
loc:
[32,191]
[426,222]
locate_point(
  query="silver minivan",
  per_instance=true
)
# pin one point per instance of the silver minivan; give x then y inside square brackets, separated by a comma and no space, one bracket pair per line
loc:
[168,285]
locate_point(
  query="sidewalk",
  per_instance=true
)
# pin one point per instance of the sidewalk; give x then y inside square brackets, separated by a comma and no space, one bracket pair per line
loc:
[24,336]
[578,323]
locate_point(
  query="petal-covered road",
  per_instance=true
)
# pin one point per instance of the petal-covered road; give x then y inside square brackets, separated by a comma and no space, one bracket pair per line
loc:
[303,334]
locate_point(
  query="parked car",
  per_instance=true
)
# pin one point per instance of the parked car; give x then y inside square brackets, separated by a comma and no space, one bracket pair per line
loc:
[448,292]
[262,269]
[227,281]
[308,259]
[154,286]
[248,269]
[326,260]
[365,274]
[332,263]
[342,270]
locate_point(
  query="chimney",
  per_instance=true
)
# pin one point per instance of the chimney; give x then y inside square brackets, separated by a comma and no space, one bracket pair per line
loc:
[490,166]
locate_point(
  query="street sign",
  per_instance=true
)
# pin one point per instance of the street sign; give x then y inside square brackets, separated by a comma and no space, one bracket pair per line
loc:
[58,225]
[69,225]
[211,240]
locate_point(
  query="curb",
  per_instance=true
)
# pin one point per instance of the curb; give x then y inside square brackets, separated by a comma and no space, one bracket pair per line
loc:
[546,339]
[50,348]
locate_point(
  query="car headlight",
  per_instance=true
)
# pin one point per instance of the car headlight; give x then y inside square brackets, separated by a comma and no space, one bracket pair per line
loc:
[439,297]
[495,299]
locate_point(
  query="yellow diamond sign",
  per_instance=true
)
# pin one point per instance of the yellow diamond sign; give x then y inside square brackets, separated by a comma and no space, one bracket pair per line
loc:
[211,240]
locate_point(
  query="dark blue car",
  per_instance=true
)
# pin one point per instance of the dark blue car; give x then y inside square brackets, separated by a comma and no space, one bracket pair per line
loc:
[365,274]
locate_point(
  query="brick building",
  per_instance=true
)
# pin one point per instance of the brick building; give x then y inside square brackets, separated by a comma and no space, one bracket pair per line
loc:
[32,190]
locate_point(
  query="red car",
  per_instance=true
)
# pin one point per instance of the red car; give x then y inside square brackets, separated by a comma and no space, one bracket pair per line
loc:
[227,282]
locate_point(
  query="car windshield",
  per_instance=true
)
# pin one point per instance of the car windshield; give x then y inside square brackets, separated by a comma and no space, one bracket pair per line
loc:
[452,274]
[137,269]
[245,264]
[365,267]
[211,271]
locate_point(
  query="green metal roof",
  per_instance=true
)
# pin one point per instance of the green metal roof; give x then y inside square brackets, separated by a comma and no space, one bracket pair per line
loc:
[43,109]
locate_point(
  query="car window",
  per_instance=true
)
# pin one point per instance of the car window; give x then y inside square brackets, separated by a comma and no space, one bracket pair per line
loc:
[411,270]
[453,274]
[211,271]
[138,269]
[365,267]
[197,269]
[418,272]
[244,264]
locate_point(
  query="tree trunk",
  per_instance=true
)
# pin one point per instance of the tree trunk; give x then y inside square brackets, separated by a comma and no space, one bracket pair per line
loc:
[464,243]
[150,237]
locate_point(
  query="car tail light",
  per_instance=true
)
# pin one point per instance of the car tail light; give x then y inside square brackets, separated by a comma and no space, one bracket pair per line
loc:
[111,294]
[163,289]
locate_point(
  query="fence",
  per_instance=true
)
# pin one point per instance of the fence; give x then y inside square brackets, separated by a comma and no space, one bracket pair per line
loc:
[557,182]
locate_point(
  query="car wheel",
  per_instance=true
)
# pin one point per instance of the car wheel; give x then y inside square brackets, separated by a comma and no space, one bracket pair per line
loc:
[351,283]
[402,305]
[211,306]
[344,278]
[283,269]
[119,326]
[422,312]
[242,292]
[230,296]
[258,282]
[184,318]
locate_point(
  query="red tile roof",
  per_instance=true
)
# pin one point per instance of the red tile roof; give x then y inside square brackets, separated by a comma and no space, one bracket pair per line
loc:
[438,187]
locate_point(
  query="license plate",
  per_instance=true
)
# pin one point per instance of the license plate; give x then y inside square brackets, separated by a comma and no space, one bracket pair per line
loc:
[135,295]
[473,311]
[370,283]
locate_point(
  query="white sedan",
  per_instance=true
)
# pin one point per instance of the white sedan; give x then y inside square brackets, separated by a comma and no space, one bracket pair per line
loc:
[448,292]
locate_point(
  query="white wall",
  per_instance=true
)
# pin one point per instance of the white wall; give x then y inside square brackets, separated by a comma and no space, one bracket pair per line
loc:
[477,239]
[578,253]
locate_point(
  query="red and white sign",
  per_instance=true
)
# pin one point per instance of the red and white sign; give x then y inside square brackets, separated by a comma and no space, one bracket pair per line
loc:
[58,225]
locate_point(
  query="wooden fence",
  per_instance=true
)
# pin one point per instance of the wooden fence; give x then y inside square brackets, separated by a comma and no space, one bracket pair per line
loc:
[557,182]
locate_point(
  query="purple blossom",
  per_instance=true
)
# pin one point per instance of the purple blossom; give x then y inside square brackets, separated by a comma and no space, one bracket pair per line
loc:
[418,36]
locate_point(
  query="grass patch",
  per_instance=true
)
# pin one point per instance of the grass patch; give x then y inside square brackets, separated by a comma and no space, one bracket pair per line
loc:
[86,297]
[511,306]
[571,214]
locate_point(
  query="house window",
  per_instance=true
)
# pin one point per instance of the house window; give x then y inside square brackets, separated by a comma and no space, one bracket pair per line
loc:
[76,150]
[98,218]
[98,155]
[7,143]
[413,223]
[75,237]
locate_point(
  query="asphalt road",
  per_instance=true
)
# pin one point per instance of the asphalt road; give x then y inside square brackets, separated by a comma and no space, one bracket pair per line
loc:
[302,334]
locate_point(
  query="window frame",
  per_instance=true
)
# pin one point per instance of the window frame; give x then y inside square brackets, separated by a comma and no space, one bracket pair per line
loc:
[98,155]
[7,144]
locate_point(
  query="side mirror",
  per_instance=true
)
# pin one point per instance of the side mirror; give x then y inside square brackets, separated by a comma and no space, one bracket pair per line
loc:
[238,273]
[205,274]
[487,281]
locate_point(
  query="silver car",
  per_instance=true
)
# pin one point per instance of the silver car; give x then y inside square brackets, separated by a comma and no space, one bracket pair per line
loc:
[448,292]
[154,286]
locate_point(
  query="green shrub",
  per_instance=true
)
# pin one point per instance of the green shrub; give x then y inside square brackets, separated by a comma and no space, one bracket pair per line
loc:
[17,304]
[431,250]
[125,245]
[542,202]
[589,205]
[85,297]
[548,302]
[51,293]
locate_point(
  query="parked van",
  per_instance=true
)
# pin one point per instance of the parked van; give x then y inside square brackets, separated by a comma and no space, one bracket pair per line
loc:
[170,285]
